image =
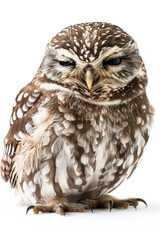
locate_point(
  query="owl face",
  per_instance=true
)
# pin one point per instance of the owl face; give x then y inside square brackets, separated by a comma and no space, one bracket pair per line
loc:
[98,62]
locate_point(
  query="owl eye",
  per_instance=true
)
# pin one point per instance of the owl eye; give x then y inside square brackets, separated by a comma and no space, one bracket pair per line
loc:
[66,63]
[113,62]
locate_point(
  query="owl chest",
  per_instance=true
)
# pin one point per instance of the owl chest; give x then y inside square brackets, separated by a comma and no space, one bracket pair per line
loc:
[91,155]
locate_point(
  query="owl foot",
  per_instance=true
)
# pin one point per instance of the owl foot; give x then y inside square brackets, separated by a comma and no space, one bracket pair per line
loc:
[109,202]
[60,206]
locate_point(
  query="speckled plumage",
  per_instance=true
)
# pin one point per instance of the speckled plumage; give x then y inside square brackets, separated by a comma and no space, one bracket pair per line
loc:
[66,140]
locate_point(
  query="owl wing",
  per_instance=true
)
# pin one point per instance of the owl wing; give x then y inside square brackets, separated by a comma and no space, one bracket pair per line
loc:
[25,107]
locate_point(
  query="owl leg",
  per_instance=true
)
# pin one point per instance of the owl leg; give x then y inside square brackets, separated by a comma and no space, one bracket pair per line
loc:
[60,206]
[109,202]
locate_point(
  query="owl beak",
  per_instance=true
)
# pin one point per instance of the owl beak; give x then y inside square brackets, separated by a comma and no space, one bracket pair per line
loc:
[89,79]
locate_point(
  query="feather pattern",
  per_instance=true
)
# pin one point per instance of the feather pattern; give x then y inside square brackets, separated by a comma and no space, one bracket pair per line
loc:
[68,140]
[21,116]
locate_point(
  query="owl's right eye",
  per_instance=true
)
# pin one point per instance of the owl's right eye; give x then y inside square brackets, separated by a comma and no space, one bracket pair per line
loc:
[66,63]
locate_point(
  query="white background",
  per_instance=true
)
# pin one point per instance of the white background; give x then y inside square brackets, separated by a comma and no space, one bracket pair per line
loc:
[26,27]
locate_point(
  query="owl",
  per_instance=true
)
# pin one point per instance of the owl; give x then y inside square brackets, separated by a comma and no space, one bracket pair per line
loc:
[79,128]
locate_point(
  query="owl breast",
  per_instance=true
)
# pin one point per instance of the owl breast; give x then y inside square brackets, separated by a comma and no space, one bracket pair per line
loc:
[80,150]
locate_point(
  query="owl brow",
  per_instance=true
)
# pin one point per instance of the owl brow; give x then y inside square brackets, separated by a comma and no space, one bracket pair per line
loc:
[123,54]
[56,58]
[64,59]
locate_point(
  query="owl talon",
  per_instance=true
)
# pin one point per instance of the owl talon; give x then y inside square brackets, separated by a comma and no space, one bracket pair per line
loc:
[86,206]
[83,203]
[28,209]
[141,200]
[35,210]
[61,212]
[131,203]
[110,205]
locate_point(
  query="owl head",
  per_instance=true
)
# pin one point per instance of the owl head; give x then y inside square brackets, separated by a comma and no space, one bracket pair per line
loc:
[97,62]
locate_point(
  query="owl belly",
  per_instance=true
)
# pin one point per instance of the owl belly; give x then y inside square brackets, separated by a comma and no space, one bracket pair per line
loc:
[83,164]
[88,167]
